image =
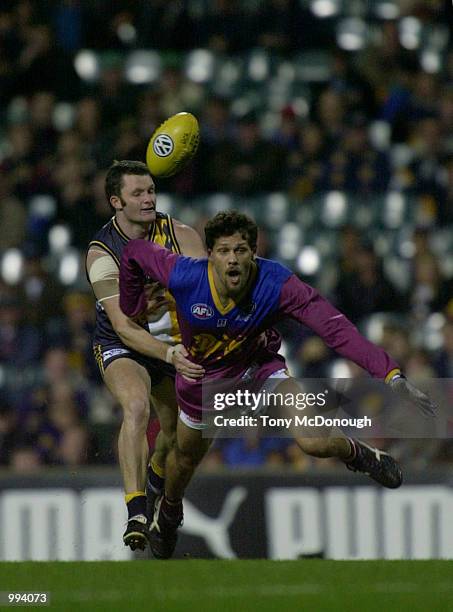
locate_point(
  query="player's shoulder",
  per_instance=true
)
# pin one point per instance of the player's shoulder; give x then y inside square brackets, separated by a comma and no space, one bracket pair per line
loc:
[189,271]
[273,270]
[189,240]
[102,235]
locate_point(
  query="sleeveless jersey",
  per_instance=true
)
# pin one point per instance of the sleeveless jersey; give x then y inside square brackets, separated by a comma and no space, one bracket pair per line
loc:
[111,239]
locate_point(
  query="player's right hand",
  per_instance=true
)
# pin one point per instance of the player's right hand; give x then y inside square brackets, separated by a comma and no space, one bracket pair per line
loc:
[188,370]
[155,298]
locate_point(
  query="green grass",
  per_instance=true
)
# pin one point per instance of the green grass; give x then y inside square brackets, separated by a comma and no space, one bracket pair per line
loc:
[205,586]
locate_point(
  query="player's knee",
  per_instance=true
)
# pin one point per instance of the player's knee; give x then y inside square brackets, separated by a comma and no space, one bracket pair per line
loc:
[316,447]
[136,413]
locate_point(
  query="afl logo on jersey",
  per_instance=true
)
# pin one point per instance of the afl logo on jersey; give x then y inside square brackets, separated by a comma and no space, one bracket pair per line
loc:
[202,311]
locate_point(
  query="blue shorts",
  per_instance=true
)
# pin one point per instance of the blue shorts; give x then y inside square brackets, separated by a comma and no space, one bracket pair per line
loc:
[156,368]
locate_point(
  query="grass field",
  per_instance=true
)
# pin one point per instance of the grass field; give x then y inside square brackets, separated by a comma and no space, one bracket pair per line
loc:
[202,586]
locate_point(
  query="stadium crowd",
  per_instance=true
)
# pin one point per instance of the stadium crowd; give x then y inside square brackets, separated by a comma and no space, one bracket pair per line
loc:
[379,122]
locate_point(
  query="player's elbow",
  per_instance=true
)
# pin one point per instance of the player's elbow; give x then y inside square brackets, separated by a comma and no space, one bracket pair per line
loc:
[122,330]
[128,307]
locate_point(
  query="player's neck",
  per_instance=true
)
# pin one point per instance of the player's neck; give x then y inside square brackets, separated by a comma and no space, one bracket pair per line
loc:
[222,291]
[131,229]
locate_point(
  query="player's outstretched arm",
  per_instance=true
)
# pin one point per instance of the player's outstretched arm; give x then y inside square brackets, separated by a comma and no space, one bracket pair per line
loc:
[305,304]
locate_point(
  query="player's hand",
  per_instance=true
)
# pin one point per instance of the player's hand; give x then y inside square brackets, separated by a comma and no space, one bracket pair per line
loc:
[188,370]
[407,391]
[154,300]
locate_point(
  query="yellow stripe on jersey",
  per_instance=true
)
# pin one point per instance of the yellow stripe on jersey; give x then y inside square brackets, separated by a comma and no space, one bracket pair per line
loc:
[205,345]
[98,357]
[215,296]
[173,235]
[119,230]
[164,235]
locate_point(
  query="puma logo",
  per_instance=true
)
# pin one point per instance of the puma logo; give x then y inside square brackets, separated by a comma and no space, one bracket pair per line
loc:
[215,530]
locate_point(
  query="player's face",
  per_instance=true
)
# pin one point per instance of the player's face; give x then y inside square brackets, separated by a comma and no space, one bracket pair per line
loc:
[232,259]
[138,198]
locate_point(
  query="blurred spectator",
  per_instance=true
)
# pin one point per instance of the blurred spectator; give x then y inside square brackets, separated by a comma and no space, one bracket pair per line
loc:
[79,317]
[178,93]
[395,340]
[67,18]
[354,165]
[41,296]
[25,459]
[248,164]
[365,290]
[88,123]
[74,447]
[177,29]
[216,124]
[330,115]
[278,25]
[12,215]
[42,66]
[226,28]
[429,292]
[65,420]
[41,108]
[8,432]
[357,91]
[19,160]
[304,167]
[113,93]
[20,342]
[287,133]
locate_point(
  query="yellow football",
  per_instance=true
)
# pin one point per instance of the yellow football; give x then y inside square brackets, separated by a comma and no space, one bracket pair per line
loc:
[172,145]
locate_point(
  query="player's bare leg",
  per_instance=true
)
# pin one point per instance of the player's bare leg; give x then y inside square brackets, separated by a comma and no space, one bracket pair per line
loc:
[130,384]
[182,460]
[357,456]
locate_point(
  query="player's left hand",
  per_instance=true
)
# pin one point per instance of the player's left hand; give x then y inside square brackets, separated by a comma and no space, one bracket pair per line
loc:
[409,392]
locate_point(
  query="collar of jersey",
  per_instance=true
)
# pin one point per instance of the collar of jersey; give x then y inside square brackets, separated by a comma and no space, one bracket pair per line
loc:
[116,225]
[215,296]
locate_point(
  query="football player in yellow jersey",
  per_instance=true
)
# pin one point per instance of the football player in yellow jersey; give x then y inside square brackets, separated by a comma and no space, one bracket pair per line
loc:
[137,359]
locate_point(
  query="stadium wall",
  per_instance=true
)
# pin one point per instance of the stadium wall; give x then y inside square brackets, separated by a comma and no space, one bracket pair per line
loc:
[245,515]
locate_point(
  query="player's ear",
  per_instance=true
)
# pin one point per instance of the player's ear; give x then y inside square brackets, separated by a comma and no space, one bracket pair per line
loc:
[116,202]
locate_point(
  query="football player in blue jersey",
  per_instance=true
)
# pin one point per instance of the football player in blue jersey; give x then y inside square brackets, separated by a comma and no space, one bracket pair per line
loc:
[227,305]
[138,358]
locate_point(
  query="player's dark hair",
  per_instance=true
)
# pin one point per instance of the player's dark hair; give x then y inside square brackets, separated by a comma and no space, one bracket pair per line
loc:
[114,178]
[227,223]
